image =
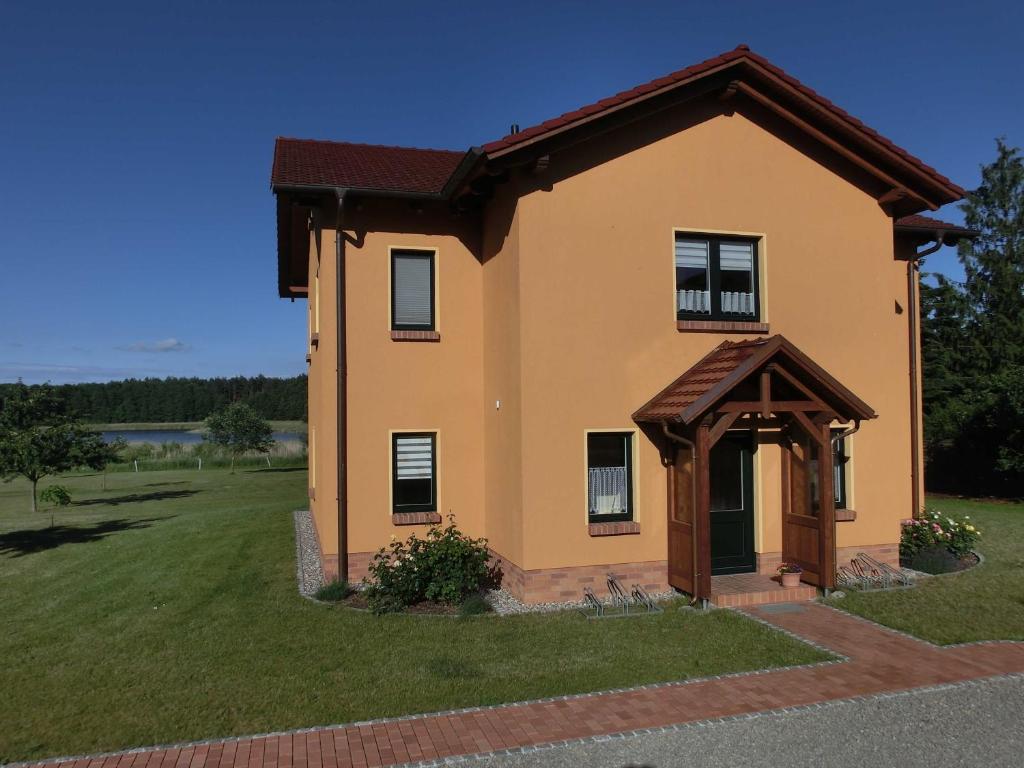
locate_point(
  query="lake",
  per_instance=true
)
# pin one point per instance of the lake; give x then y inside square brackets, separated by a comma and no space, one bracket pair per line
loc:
[158,436]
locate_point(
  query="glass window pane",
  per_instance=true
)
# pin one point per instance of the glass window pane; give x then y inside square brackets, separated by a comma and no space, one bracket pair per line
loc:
[412,285]
[736,278]
[692,278]
[726,472]
[414,472]
[608,470]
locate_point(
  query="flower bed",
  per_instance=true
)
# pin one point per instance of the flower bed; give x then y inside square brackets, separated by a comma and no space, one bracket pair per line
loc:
[938,543]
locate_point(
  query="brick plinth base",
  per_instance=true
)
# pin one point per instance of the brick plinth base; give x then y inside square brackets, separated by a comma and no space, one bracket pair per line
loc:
[768,562]
[358,566]
[559,585]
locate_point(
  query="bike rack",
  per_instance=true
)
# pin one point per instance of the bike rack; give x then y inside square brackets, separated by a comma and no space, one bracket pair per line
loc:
[867,574]
[637,603]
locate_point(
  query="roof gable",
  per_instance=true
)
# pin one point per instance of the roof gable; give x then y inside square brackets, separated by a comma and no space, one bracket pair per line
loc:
[740,73]
[728,365]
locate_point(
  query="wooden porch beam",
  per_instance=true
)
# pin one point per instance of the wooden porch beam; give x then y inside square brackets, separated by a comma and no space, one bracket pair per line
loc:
[702,514]
[793,380]
[776,406]
[725,421]
[766,392]
[813,430]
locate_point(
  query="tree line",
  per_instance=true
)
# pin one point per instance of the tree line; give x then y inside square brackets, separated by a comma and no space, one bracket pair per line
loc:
[972,343]
[181,399]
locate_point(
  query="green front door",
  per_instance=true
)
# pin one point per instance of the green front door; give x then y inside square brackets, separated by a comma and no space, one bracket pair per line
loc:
[732,504]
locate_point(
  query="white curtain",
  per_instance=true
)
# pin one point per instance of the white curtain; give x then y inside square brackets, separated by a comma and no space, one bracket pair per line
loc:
[606,490]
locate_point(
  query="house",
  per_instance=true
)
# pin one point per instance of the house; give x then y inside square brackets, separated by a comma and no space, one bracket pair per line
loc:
[670,335]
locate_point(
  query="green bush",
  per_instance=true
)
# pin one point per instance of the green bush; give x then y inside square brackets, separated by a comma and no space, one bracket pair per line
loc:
[937,530]
[445,567]
[333,591]
[474,605]
[933,560]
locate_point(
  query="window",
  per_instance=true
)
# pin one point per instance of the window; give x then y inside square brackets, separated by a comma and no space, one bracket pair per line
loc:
[716,278]
[609,476]
[839,461]
[414,472]
[412,290]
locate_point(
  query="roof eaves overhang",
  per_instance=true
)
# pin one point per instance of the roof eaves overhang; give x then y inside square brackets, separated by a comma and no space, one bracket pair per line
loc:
[918,186]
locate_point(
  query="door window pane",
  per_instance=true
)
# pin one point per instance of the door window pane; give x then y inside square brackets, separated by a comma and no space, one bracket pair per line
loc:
[727,478]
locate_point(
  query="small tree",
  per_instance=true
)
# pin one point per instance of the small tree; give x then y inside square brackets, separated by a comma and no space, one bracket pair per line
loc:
[39,438]
[237,429]
[56,496]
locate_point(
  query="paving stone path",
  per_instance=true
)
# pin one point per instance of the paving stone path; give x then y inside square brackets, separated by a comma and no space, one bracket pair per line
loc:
[875,660]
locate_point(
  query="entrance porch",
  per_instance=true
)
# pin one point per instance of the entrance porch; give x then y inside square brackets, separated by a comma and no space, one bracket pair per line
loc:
[707,424]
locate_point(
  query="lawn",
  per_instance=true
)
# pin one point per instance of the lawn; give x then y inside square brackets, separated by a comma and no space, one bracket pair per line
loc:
[165,609]
[985,603]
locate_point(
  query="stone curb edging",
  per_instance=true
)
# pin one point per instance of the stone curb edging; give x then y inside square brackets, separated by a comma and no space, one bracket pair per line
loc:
[681,727]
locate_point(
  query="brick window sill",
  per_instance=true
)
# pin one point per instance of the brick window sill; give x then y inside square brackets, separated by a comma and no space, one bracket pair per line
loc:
[415,518]
[845,515]
[720,326]
[415,336]
[625,528]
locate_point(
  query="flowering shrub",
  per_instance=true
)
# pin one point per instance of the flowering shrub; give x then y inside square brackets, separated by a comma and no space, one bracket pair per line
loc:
[445,567]
[938,531]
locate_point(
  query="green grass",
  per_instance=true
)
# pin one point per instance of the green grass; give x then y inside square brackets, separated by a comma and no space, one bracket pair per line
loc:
[985,603]
[165,609]
[298,427]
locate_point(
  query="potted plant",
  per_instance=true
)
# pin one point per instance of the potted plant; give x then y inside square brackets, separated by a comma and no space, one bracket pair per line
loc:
[789,574]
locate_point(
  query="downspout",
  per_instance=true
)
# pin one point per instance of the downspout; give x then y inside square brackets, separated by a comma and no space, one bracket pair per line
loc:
[342,373]
[913,309]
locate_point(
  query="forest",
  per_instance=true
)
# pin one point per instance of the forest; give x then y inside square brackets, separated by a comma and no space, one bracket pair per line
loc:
[182,399]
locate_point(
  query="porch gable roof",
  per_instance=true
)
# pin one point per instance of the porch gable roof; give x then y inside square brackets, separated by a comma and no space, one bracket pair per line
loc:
[714,376]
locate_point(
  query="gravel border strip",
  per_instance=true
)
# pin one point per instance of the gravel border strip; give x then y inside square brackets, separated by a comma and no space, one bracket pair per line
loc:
[309,573]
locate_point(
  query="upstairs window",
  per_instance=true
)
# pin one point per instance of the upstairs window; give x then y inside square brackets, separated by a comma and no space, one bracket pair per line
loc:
[716,278]
[414,472]
[610,476]
[412,290]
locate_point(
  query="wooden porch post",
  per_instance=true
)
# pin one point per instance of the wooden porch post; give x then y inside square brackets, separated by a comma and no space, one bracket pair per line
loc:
[826,512]
[702,514]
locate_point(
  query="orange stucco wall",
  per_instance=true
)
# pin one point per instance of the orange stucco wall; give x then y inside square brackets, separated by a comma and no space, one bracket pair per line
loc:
[557,303]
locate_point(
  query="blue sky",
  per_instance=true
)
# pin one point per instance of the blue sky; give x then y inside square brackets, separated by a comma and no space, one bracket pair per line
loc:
[136,221]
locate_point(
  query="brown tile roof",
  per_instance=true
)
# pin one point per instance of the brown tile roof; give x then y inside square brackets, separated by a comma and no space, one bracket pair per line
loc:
[362,166]
[714,376]
[917,222]
[706,374]
[405,169]
[738,55]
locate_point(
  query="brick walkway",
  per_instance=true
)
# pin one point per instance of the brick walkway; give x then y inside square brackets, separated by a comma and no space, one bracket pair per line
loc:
[877,661]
